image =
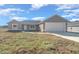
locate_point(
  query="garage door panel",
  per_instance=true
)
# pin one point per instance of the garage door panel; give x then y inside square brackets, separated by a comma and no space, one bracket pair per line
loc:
[55,27]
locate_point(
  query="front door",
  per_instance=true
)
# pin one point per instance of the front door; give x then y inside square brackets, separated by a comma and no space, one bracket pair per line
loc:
[24,27]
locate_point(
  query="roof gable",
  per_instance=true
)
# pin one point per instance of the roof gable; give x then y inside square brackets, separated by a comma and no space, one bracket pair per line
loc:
[13,21]
[56,18]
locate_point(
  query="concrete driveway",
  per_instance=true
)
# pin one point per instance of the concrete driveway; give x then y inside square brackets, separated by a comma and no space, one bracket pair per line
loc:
[68,35]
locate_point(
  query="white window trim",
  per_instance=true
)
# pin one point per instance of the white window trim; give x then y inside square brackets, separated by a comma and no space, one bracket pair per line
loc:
[13,27]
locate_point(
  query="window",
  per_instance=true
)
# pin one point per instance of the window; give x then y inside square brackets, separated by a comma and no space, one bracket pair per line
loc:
[32,26]
[14,25]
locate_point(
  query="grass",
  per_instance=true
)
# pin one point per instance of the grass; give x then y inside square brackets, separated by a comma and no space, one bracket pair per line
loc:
[34,43]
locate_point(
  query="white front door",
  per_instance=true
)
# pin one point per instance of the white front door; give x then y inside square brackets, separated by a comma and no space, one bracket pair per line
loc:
[25,27]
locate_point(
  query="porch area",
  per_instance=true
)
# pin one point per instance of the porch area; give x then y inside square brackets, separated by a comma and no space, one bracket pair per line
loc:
[25,27]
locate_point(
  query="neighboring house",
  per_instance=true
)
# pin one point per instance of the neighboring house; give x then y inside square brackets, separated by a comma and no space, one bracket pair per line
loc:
[54,23]
[73,26]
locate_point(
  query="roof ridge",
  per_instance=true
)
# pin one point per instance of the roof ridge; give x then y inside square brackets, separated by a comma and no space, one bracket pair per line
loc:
[56,18]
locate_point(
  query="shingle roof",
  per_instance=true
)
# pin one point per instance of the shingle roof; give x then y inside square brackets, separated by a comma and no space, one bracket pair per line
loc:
[13,21]
[30,22]
[56,18]
[26,22]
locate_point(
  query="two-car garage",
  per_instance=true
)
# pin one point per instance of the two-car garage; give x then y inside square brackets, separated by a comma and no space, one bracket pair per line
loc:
[55,27]
[55,23]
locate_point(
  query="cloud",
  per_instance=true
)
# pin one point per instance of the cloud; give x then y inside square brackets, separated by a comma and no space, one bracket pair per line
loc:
[19,18]
[8,11]
[75,19]
[69,10]
[2,4]
[24,18]
[36,7]
[68,15]
[72,11]
[67,6]
[11,9]
[38,18]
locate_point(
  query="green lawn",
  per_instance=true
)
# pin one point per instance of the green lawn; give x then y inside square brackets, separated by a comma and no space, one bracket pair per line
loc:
[34,43]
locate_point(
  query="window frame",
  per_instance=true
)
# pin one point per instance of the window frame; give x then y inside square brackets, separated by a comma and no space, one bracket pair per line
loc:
[15,26]
[32,26]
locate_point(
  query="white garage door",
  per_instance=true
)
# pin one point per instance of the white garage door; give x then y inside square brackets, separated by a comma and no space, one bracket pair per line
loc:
[55,26]
[73,29]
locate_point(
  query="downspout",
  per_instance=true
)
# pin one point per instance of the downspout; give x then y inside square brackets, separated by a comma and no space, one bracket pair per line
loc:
[44,27]
[66,26]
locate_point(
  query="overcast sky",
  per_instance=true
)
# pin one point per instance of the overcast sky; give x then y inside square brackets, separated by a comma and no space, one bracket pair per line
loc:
[22,12]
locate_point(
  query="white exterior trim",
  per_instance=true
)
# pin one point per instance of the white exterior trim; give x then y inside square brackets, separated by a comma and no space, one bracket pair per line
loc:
[41,27]
[25,27]
[15,28]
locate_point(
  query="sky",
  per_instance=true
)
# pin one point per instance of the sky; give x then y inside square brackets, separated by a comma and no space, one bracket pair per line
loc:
[41,12]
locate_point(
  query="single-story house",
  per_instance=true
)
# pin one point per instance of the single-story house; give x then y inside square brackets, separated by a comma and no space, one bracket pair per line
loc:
[54,23]
[26,25]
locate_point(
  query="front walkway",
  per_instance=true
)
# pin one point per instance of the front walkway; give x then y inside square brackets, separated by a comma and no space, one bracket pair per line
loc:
[67,35]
